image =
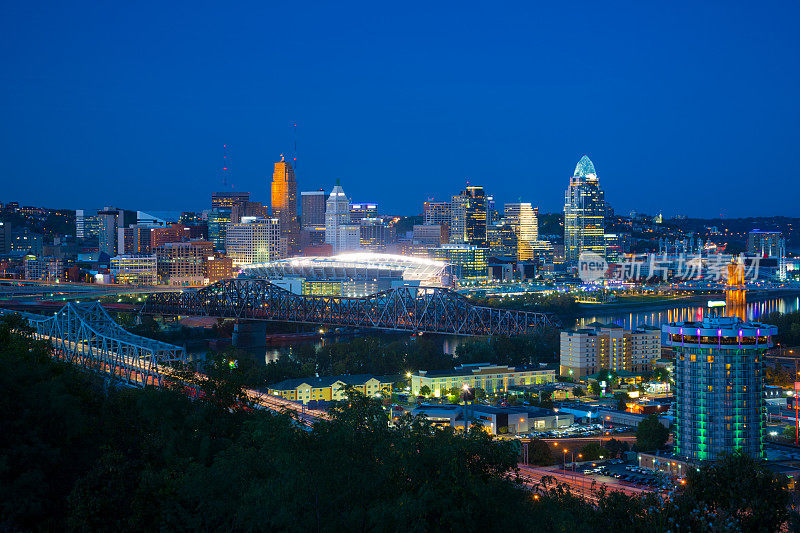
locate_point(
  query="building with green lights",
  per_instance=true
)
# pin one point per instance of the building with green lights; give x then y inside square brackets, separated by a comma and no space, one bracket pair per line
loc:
[719,377]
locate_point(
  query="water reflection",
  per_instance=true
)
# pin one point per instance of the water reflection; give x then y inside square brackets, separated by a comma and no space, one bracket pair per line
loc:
[671,312]
[754,310]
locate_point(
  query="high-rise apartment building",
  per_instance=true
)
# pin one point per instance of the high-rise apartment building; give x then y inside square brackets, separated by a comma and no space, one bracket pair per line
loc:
[598,346]
[719,378]
[765,243]
[312,208]
[255,240]
[340,232]
[524,219]
[584,213]
[284,203]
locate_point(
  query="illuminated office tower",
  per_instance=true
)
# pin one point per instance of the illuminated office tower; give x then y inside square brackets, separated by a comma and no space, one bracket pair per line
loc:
[312,208]
[436,213]
[284,203]
[719,394]
[469,263]
[584,213]
[229,199]
[340,233]
[376,234]
[468,217]
[362,211]
[502,240]
[523,218]
[222,204]
[492,214]
[255,240]
[112,220]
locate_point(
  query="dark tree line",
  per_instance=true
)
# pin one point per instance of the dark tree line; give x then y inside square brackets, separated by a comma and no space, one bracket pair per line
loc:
[79,453]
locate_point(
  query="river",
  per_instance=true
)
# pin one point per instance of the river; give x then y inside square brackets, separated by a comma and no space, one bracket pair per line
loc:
[630,316]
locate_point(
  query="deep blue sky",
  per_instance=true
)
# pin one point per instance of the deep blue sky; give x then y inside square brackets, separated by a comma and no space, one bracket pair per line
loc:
[683,108]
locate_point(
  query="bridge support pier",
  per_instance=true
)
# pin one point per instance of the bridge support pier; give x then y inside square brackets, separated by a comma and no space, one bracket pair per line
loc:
[249,333]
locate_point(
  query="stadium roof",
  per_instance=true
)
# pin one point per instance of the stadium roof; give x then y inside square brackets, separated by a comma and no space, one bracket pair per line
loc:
[349,265]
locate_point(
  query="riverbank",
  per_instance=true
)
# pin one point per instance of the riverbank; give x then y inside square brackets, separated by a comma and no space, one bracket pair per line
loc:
[591,309]
[588,309]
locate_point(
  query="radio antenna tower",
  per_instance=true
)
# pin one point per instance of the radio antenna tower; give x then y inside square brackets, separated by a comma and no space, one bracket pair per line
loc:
[226,165]
[294,142]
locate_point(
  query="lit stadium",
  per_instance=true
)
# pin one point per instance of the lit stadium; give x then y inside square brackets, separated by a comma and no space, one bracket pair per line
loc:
[350,274]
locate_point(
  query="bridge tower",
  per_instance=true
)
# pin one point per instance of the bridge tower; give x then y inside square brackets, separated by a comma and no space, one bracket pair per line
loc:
[735,291]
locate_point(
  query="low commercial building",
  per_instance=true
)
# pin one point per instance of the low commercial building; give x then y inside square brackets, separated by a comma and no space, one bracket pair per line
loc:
[43,268]
[491,378]
[599,346]
[331,388]
[135,269]
[495,420]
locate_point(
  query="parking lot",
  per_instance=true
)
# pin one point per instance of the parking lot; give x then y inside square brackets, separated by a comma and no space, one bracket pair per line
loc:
[617,470]
[579,430]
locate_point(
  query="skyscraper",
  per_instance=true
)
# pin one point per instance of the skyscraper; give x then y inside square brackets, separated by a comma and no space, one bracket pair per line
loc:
[222,204]
[312,205]
[468,217]
[523,218]
[284,202]
[229,199]
[584,213]
[340,233]
[112,220]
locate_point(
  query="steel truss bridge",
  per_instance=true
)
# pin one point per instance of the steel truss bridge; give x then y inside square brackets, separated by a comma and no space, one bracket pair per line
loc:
[417,309]
[84,334]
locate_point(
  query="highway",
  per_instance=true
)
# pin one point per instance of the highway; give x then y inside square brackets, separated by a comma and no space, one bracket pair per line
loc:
[579,484]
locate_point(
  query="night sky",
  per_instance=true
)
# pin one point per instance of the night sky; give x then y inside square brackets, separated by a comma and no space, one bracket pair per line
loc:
[683,108]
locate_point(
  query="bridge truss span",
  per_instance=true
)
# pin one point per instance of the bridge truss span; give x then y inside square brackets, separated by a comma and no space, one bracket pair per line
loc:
[85,334]
[416,309]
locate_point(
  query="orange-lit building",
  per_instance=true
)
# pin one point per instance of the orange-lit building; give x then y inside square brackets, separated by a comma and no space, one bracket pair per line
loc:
[173,233]
[284,203]
[219,267]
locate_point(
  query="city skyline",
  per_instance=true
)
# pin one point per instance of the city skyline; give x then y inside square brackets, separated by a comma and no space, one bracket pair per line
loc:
[657,101]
